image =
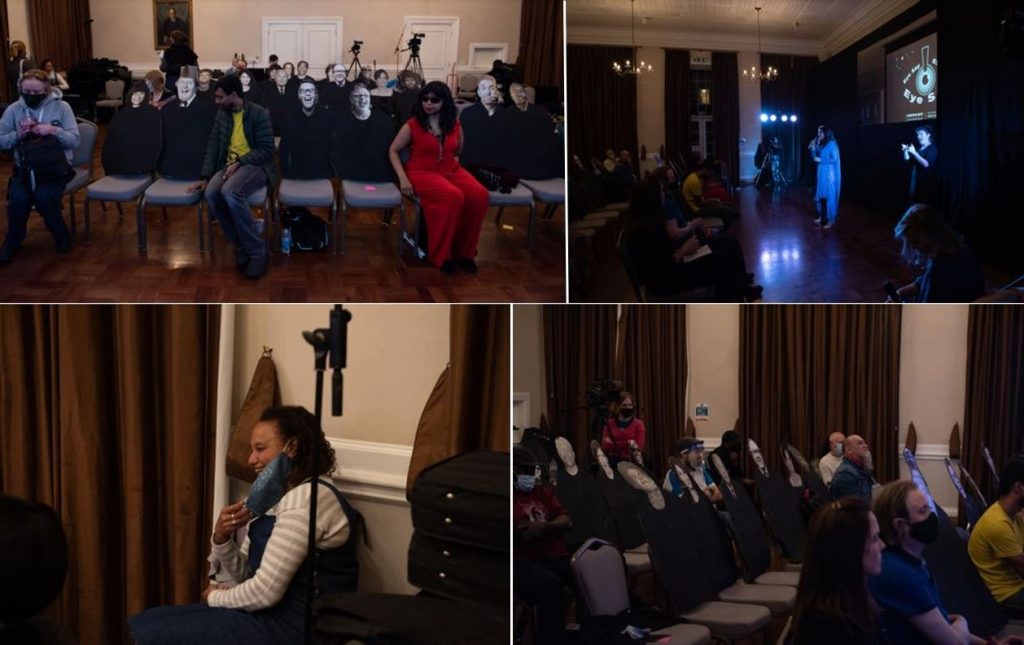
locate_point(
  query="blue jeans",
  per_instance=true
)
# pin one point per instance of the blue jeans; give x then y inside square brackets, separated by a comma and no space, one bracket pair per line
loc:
[46,197]
[228,203]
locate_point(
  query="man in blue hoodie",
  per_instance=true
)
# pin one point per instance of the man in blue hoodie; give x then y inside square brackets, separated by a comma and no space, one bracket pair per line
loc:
[38,114]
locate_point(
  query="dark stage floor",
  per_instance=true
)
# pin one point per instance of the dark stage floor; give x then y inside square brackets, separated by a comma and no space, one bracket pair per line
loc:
[109,267]
[797,261]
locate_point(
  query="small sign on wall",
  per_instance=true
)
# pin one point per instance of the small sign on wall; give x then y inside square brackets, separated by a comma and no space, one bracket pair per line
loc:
[701,412]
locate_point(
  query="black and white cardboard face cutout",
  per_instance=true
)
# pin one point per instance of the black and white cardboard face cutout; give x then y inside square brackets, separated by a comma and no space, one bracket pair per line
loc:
[137,99]
[635,454]
[289,71]
[601,459]
[186,88]
[918,478]
[567,455]
[488,94]
[204,80]
[338,74]
[755,453]
[359,99]
[723,472]
[308,96]
[411,82]
[799,459]
[303,69]
[281,78]
[794,477]
[246,79]
[519,96]
[685,480]
[636,477]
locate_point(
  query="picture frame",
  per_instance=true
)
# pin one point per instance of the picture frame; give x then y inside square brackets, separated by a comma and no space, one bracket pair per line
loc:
[164,21]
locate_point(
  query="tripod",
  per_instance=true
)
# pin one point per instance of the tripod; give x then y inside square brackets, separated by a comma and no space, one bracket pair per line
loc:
[355,68]
[771,164]
[413,64]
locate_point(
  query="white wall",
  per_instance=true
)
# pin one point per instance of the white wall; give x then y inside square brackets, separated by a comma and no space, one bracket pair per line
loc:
[17,24]
[123,29]
[750,112]
[528,362]
[650,101]
[713,366]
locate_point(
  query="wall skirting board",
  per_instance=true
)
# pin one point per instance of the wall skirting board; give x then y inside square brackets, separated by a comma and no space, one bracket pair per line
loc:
[372,471]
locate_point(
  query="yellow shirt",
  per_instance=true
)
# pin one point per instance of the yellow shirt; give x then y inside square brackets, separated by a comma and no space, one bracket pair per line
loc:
[239,146]
[692,188]
[995,537]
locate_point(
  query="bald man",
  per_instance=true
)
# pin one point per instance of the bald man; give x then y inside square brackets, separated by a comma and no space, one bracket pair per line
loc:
[828,464]
[853,477]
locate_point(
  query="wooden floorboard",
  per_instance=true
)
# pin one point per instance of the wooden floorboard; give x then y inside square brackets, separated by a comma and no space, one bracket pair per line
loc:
[796,261]
[109,268]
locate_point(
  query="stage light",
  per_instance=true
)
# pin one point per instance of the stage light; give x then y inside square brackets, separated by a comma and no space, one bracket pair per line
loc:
[772,118]
[764,117]
[792,118]
[785,118]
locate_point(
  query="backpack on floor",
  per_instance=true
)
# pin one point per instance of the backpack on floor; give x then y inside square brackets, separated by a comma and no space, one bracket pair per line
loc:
[309,232]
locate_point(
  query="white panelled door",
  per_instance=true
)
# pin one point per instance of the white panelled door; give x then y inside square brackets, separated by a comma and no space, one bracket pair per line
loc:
[440,49]
[315,40]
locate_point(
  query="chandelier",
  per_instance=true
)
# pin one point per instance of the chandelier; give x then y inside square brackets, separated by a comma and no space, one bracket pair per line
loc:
[755,73]
[631,67]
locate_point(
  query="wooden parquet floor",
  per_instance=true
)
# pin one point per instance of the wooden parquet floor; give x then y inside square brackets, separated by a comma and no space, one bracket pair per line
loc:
[109,268]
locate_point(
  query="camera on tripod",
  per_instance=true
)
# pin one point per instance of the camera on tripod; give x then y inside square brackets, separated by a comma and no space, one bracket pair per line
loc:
[355,47]
[415,42]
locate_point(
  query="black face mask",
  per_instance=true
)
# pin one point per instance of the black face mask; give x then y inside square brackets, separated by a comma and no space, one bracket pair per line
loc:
[626,413]
[926,530]
[33,100]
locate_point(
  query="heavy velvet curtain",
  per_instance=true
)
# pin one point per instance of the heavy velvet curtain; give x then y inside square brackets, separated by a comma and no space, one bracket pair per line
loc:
[540,43]
[677,103]
[725,104]
[601,106]
[788,94]
[654,370]
[107,415]
[806,371]
[5,37]
[579,348]
[994,407]
[60,31]
[469,407]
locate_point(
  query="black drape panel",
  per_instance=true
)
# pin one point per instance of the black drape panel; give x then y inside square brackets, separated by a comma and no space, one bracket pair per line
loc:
[788,94]
[540,43]
[725,103]
[601,106]
[677,103]
[981,147]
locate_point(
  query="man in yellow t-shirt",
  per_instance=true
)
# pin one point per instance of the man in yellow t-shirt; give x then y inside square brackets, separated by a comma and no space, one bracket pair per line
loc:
[997,541]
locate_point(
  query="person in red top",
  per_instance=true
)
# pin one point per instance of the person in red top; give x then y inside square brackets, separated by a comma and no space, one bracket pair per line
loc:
[453,202]
[541,564]
[622,429]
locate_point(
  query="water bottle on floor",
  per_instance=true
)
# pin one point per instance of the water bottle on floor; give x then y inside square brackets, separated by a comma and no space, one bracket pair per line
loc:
[286,241]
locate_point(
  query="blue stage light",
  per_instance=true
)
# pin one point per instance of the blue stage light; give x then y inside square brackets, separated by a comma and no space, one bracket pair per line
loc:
[792,118]
[785,118]
[764,117]
[772,118]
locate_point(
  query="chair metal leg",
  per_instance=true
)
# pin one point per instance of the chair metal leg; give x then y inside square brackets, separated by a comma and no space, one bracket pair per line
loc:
[71,208]
[401,226]
[388,215]
[140,221]
[343,223]
[199,224]
[120,211]
[103,207]
[531,225]
[85,215]
[163,213]
[497,218]
[209,225]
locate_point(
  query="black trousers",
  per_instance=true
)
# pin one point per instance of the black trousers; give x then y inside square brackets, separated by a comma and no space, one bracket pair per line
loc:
[541,583]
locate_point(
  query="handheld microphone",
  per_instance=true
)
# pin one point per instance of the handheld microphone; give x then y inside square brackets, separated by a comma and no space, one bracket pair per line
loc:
[890,290]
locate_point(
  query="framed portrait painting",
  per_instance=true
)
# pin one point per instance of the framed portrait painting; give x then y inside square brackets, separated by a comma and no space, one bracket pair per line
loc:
[170,16]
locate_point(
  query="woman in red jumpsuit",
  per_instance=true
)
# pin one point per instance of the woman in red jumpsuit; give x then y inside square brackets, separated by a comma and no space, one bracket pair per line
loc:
[454,203]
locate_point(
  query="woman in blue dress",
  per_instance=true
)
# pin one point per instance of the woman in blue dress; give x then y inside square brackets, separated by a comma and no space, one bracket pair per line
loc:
[263,599]
[826,198]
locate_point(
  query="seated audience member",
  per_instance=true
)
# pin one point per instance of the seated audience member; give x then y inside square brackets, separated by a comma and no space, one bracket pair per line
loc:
[178,55]
[730,451]
[301,74]
[853,477]
[361,138]
[693,193]
[404,98]
[380,83]
[205,88]
[622,180]
[335,93]
[38,119]
[665,250]
[482,126]
[289,68]
[691,456]
[622,430]
[453,203]
[997,542]
[715,186]
[250,90]
[159,94]
[267,603]
[277,100]
[540,561]
[306,134]
[239,161]
[843,550]
[609,160]
[57,79]
[912,609]
[33,565]
[829,463]
[951,272]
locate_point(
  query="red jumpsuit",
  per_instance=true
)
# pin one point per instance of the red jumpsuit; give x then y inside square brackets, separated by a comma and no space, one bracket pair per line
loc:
[454,203]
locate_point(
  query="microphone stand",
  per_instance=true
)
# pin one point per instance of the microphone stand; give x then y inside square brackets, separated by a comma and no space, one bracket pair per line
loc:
[330,342]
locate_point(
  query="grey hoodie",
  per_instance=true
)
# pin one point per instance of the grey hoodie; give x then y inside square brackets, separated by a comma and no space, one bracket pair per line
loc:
[53,111]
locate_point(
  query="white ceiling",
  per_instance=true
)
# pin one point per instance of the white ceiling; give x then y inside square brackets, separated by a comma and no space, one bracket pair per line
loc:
[787,26]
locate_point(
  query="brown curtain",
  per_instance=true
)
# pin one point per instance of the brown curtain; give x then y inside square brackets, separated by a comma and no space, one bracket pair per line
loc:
[579,348]
[5,38]
[725,105]
[994,409]
[469,407]
[677,103]
[654,370]
[788,93]
[107,415]
[806,371]
[60,31]
[601,106]
[540,43]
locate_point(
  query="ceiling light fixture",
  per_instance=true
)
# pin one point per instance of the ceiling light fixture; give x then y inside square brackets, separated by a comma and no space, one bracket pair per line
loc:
[632,67]
[755,73]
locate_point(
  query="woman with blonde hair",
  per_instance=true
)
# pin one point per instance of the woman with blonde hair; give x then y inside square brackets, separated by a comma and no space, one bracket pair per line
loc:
[951,272]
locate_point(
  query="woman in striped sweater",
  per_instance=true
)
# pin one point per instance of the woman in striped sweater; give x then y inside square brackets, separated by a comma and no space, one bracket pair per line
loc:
[265,600]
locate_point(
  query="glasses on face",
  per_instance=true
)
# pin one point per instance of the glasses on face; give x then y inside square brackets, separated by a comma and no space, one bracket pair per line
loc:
[433,100]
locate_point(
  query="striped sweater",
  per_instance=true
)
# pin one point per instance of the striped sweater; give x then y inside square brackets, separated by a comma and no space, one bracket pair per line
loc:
[286,550]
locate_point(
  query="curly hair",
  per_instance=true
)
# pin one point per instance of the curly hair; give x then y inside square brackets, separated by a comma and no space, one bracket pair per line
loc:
[298,423]
[449,113]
